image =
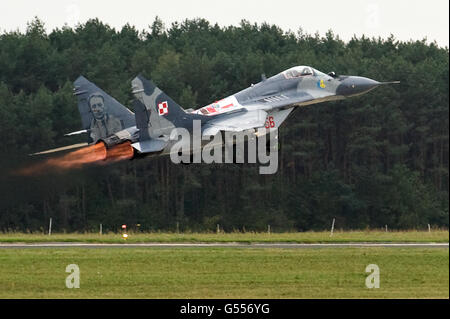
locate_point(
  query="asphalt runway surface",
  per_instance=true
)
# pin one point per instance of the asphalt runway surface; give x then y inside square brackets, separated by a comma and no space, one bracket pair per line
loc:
[226,245]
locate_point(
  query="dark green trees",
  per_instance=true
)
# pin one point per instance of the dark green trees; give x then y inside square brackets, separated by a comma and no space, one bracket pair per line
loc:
[370,161]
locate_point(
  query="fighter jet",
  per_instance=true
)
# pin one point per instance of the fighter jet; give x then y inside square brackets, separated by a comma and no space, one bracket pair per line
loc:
[266,104]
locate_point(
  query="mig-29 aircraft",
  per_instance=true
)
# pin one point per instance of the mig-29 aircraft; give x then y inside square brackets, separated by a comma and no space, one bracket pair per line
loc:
[266,104]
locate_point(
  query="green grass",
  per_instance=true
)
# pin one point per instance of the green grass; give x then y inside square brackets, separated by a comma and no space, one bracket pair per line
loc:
[224,273]
[303,237]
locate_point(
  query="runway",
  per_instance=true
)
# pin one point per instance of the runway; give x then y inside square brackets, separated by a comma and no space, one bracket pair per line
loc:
[225,245]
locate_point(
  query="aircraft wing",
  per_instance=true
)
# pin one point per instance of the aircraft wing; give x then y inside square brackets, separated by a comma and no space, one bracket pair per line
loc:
[235,121]
[244,119]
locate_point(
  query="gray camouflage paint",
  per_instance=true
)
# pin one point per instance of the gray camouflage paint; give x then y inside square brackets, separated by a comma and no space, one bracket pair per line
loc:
[149,131]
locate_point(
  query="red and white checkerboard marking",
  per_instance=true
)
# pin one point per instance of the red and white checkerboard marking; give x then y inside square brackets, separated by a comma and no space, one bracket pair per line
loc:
[163,108]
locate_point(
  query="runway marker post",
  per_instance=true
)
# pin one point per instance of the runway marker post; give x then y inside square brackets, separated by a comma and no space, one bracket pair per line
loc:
[332,227]
[50,227]
[124,229]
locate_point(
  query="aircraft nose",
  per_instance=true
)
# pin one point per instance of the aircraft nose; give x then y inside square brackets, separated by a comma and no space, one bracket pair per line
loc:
[356,85]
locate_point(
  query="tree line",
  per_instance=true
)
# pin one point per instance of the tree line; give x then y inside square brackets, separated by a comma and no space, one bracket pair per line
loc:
[375,160]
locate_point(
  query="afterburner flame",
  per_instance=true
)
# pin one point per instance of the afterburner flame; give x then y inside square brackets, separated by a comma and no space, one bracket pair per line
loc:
[94,154]
[119,152]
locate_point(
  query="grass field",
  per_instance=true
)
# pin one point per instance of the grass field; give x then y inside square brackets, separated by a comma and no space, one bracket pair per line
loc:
[299,237]
[224,273]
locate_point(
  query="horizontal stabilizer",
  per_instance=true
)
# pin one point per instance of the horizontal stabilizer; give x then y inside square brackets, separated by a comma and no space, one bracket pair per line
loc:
[59,149]
[76,133]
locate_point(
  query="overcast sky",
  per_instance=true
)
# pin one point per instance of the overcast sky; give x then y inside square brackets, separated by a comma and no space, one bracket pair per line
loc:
[406,19]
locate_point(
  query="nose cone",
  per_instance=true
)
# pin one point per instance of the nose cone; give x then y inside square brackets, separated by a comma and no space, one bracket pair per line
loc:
[356,85]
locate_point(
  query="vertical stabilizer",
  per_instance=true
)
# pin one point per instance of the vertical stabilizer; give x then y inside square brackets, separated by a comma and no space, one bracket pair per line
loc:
[101,114]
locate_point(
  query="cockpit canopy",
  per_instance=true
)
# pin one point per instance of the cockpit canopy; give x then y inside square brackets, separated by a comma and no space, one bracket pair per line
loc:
[298,71]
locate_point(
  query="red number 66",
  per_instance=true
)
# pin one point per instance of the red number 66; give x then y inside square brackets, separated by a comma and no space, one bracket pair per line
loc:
[269,122]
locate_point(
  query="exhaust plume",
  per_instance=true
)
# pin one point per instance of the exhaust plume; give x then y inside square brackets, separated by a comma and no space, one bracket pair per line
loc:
[119,152]
[94,154]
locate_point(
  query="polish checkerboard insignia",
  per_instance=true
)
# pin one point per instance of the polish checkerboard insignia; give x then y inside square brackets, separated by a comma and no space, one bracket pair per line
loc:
[163,108]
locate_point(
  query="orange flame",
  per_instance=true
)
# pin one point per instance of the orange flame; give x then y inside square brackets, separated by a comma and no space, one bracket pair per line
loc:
[120,152]
[93,154]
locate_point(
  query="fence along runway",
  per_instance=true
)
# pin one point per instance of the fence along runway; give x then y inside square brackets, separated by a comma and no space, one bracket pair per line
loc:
[225,245]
